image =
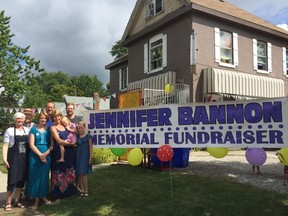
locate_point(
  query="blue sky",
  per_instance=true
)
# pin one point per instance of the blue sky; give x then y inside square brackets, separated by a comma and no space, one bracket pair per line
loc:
[75,36]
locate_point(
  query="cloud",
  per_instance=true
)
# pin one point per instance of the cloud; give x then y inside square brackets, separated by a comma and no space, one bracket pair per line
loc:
[69,35]
[284,26]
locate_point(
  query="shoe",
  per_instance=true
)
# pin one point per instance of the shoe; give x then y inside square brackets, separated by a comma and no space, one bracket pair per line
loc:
[18,204]
[86,194]
[35,207]
[47,202]
[8,207]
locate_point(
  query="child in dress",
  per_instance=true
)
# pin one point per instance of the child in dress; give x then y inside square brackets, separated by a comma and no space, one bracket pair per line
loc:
[84,158]
[71,127]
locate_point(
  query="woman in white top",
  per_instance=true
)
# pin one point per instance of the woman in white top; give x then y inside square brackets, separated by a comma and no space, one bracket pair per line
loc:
[15,149]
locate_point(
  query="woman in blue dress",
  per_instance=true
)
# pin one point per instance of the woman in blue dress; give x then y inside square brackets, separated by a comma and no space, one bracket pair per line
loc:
[39,161]
[63,178]
[84,158]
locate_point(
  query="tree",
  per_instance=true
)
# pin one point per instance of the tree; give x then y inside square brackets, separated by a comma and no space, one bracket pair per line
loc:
[16,67]
[118,50]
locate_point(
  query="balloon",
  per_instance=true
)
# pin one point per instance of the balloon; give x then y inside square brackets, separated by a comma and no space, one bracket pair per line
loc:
[135,157]
[256,156]
[118,151]
[218,152]
[169,88]
[283,156]
[165,153]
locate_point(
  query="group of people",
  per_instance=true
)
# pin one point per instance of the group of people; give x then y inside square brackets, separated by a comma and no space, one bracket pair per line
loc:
[54,143]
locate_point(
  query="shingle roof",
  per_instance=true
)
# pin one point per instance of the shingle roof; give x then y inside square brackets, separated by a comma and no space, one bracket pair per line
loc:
[232,10]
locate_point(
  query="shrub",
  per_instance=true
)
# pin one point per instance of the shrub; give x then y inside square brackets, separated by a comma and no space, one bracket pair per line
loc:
[103,155]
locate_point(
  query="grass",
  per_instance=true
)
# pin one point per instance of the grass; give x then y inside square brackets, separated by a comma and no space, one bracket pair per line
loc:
[136,191]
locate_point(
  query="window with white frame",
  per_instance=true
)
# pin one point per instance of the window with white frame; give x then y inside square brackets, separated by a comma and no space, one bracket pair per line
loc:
[226,48]
[153,7]
[123,78]
[155,54]
[262,56]
[285,61]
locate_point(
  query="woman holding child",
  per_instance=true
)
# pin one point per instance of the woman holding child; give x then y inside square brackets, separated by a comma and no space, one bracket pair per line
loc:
[63,176]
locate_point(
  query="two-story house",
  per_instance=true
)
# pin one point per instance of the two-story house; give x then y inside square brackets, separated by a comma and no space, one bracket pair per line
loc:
[218,50]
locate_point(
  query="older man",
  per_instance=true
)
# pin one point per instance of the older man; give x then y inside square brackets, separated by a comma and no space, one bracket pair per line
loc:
[50,106]
[70,111]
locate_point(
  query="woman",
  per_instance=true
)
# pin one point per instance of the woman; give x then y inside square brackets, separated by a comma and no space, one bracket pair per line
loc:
[15,148]
[63,174]
[39,161]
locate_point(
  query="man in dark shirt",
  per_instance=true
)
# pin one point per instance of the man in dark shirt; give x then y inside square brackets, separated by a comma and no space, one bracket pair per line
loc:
[70,111]
[50,107]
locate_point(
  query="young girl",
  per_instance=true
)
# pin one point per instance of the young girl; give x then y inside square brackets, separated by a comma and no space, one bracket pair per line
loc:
[84,158]
[71,128]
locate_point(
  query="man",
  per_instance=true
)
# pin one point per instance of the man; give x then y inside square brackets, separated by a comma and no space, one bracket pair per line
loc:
[70,111]
[50,107]
[28,118]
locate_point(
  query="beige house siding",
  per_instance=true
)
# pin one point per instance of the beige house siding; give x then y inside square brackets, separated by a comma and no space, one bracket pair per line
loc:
[141,22]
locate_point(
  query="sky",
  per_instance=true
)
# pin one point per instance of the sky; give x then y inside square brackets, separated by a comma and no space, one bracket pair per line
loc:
[75,36]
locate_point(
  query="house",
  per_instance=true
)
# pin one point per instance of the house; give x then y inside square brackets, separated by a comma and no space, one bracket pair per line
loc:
[218,50]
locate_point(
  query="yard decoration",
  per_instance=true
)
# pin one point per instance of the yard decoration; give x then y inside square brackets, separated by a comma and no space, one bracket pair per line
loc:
[165,153]
[218,152]
[135,156]
[169,88]
[256,156]
[118,151]
[283,156]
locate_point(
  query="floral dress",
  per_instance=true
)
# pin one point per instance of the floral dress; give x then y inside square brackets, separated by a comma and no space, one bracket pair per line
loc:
[63,178]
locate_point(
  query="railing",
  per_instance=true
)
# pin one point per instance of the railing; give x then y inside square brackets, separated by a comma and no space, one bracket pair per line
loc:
[173,93]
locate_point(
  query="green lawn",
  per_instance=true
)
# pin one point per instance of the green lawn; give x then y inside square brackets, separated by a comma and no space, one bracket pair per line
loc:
[124,190]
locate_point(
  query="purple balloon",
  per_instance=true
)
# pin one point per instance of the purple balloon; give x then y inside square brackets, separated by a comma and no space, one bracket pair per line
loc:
[256,156]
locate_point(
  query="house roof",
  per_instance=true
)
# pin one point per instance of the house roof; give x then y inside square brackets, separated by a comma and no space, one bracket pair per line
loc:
[223,8]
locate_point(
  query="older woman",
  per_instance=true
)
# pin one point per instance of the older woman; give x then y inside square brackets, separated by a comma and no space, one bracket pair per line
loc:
[15,149]
[63,174]
[39,161]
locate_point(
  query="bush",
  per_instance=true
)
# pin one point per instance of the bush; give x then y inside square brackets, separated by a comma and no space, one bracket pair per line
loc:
[103,155]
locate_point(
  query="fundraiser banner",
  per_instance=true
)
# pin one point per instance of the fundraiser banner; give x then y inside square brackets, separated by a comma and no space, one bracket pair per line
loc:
[241,124]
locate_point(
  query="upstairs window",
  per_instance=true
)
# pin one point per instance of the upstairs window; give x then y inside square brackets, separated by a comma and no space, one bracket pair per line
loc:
[226,48]
[262,58]
[153,7]
[155,54]
[123,78]
[285,61]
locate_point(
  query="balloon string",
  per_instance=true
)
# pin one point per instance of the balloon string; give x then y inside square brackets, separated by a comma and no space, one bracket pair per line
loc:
[171,184]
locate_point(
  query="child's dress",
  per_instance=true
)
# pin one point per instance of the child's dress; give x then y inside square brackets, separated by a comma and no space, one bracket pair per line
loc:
[72,137]
[83,155]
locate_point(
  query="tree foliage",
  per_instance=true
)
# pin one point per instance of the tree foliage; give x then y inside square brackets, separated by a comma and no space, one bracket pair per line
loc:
[16,67]
[118,50]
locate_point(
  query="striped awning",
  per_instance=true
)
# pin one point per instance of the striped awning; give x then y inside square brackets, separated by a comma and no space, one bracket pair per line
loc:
[217,81]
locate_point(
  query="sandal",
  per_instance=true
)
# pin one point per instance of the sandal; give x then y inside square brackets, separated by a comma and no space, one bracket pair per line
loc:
[47,202]
[86,194]
[34,207]
[8,207]
[18,204]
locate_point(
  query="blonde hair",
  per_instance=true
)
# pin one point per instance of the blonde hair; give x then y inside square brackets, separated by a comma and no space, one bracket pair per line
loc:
[56,113]
[65,119]
[82,123]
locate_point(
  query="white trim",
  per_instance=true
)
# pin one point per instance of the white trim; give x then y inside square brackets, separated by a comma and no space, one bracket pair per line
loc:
[164,50]
[192,49]
[284,61]
[269,53]
[255,61]
[235,49]
[120,79]
[217,44]
[146,58]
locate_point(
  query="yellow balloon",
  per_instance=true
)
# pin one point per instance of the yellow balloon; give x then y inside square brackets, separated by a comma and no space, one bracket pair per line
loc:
[135,157]
[283,156]
[169,88]
[218,152]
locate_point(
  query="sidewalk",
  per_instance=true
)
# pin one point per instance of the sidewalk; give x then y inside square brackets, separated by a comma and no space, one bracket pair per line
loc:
[15,211]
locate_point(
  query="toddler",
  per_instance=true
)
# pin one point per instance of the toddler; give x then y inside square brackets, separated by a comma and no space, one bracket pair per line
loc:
[71,128]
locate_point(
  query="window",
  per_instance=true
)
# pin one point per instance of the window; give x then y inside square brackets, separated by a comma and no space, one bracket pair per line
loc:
[262,58]
[285,61]
[153,7]
[155,54]
[226,48]
[123,78]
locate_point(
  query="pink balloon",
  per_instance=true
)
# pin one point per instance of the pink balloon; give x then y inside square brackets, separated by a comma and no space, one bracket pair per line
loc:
[256,156]
[165,153]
